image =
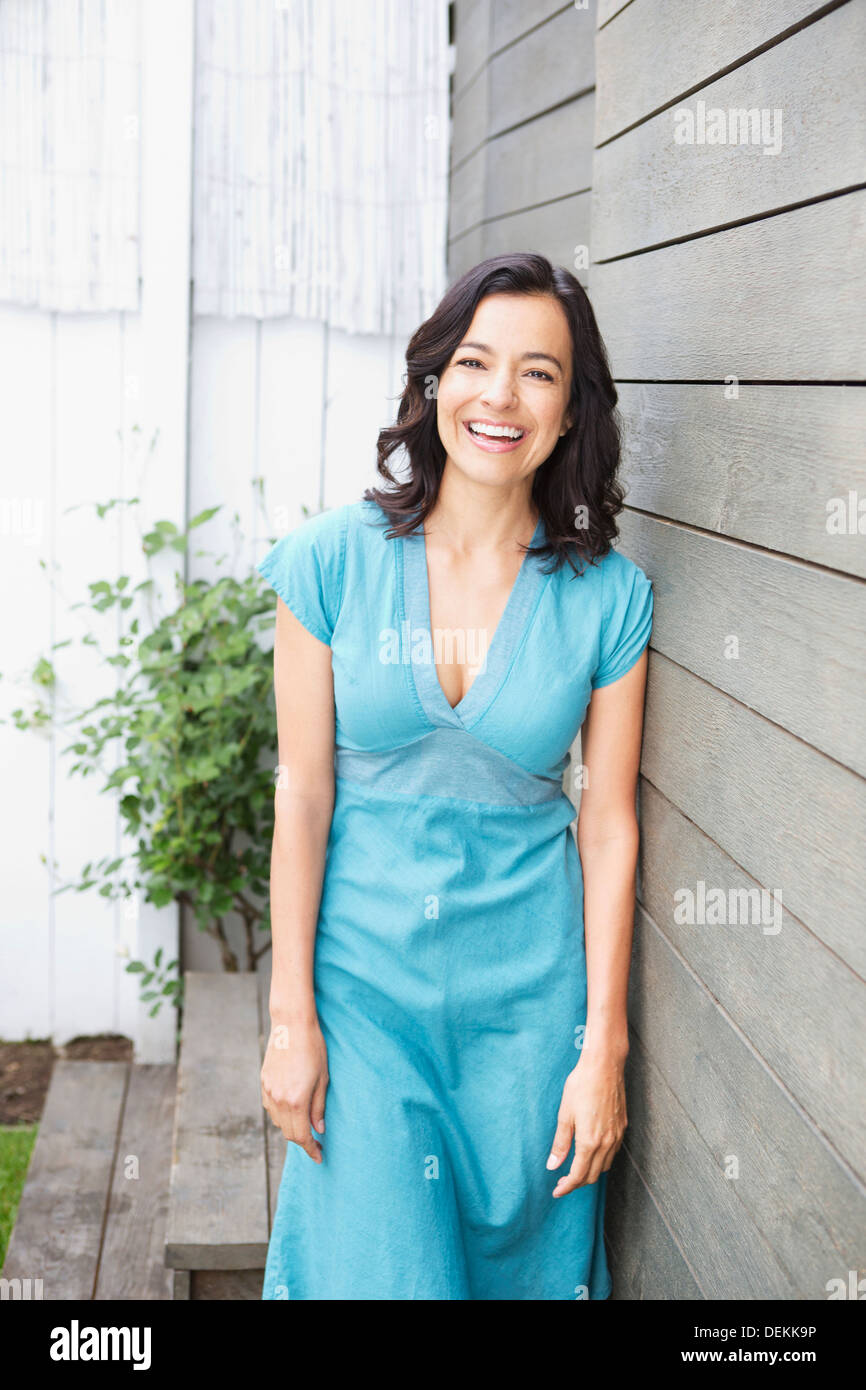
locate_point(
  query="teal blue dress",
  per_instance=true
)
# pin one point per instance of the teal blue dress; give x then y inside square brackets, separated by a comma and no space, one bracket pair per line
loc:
[450,972]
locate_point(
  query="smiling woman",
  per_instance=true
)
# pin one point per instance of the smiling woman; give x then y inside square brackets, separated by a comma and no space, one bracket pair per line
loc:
[436,983]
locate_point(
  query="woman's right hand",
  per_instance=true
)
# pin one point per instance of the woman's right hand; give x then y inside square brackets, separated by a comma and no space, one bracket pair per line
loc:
[294,1082]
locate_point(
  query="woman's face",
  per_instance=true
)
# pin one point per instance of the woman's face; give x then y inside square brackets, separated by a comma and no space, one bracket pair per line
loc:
[502,399]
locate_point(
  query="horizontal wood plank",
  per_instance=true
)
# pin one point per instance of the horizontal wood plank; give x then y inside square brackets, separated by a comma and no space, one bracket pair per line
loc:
[555,230]
[541,161]
[132,1264]
[691,44]
[648,189]
[218,1202]
[544,159]
[466,201]
[514,18]
[549,65]
[608,8]
[226,1285]
[58,1228]
[465,252]
[714,1231]
[791,817]
[809,1207]
[470,116]
[802,1009]
[764,467]
[784,638]
[644,1259]
[472,19]
[723,305]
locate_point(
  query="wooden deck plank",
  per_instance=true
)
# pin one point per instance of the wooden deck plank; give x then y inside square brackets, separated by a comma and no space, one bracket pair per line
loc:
[132,1265]
[218,1202]
[225,1285]
[58,1230]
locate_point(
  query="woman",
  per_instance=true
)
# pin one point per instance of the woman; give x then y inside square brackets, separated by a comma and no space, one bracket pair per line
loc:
[434,927]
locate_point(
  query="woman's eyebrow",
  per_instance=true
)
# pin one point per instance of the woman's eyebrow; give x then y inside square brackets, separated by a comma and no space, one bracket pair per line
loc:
[526,357]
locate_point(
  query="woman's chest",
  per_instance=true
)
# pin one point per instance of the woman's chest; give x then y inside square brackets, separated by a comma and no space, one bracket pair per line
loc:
[467,602]
[407,659]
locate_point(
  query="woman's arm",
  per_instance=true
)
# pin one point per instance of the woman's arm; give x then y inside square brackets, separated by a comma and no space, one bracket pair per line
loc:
[593,1111]
[295,1069]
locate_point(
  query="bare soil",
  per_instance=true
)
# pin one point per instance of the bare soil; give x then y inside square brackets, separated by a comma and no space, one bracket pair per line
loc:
[26,1067]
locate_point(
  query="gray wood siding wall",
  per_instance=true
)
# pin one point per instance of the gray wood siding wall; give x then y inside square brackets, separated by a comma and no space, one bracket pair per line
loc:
[743,1173]
[522,130]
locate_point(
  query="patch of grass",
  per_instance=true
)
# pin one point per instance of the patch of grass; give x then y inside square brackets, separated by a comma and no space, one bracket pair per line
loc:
[16,1146]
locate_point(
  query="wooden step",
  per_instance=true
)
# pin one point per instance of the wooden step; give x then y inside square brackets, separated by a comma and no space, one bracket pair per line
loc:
[132,1264]
[85,1226]
[218,1215]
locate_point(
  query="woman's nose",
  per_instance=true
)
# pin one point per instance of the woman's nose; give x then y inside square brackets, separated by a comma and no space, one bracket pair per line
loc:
[499,391]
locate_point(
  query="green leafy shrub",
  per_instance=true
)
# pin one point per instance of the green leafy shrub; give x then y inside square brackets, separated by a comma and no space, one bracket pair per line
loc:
[192,714]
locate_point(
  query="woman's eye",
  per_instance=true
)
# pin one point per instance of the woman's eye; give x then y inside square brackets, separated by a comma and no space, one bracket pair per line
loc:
[474,362]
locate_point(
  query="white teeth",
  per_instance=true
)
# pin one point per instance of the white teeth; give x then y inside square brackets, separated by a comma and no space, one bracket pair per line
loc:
[496,431]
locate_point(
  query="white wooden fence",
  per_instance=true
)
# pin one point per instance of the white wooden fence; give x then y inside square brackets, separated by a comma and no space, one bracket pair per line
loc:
[292,401]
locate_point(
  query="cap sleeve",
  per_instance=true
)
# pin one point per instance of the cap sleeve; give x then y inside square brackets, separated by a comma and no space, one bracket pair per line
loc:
[305,567]
[627,618]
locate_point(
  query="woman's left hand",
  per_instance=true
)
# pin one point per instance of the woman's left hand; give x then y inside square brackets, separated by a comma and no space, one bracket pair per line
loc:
[592,1114]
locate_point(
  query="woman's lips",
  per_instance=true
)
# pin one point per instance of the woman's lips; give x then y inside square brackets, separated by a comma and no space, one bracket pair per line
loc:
[493,446]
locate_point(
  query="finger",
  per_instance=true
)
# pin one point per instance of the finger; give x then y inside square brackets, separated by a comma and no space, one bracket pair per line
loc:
[271,1110]
[292,1119]
[317,1109]
[297,1131]
[312,1147]
[596,1168]
[298,1116]
[561,1142]
[576,1176]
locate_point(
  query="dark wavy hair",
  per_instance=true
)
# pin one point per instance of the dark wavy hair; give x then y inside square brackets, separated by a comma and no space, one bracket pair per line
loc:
[581,470]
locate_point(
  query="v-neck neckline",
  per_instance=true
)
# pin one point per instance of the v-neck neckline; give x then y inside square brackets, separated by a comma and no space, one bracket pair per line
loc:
[501,649]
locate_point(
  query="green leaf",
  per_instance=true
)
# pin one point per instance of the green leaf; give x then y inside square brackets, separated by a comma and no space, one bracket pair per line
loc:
[204,516]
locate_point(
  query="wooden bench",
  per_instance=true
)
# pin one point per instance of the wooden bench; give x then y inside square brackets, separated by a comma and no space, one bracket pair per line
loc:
[227,1157]
[156,1182]
[92,1215]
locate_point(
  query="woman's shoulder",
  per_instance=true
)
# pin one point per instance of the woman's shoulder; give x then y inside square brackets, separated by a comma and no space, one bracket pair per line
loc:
[328,526]
[626,612]
[619,570]
[611,571]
